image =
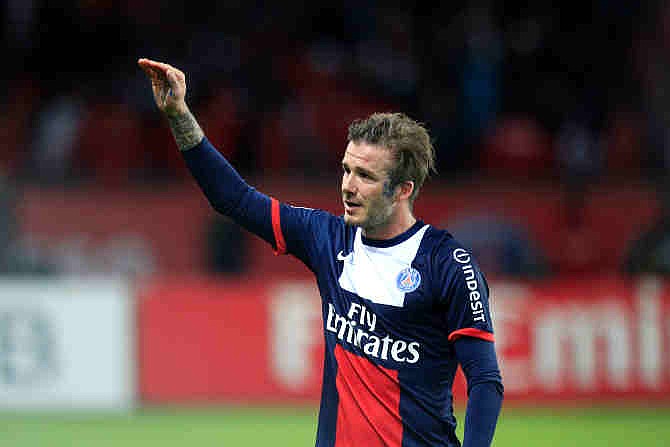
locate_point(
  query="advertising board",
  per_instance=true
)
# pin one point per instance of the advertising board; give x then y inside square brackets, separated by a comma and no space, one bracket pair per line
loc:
[66,344]
[598,339]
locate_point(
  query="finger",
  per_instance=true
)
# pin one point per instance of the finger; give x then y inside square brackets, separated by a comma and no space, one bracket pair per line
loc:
[161,66]
[150,72]
[157,66]
[174,79]
[146,63]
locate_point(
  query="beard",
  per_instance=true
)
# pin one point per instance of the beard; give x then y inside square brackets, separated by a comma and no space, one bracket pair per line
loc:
[377,214]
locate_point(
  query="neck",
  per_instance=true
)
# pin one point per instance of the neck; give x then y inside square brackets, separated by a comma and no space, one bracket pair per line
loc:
[391,229]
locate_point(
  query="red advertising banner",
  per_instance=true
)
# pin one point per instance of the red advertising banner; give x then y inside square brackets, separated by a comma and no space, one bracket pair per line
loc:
[586,338]
[261,341]
[243,341]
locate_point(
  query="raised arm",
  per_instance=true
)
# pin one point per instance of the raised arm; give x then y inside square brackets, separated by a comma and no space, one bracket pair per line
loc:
[224,188]
[169,87]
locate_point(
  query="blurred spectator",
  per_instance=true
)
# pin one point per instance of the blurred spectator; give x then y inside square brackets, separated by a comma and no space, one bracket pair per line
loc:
[652,68]
[290,141]
[163,160]
[527,86]
[18,30]
[502,247]
[386,58]
[623,144]
[17,107]
[480,75]
[458,66]
[307,133]
[578,150]
[221,120]
[227,248]
[650,252]
[509,90]
[461,74]
[109,148]
[8,224]
[579,244]
[55,136]
[518,148]
[18,254]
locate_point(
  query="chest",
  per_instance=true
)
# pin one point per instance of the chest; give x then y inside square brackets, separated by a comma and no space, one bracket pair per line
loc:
[393,290]
[388,316]
[384,275]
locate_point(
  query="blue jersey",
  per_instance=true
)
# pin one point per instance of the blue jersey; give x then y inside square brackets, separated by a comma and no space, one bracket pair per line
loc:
[392,311]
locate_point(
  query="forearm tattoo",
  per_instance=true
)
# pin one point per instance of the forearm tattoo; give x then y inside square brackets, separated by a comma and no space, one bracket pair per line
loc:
[186,130]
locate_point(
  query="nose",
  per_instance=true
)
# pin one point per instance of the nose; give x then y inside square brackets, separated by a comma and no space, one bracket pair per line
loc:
[348,183]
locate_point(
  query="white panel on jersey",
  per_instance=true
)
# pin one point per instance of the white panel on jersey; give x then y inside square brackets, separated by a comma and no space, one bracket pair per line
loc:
[372,272]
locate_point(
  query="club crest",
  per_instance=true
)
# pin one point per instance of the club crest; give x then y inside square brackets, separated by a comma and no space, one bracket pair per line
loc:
[408,279]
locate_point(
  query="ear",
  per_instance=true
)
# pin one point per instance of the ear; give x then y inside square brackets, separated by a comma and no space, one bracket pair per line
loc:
[404,190]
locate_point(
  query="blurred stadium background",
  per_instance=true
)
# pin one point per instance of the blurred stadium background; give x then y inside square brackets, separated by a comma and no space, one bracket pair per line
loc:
[130,314]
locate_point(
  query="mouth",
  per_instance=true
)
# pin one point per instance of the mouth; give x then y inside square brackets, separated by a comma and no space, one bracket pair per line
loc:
[350,206]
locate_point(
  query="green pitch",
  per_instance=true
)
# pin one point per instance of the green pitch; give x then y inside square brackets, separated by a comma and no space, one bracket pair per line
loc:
[278,427]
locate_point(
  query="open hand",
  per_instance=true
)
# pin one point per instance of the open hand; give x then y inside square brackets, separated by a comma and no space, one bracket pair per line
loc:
[168,84]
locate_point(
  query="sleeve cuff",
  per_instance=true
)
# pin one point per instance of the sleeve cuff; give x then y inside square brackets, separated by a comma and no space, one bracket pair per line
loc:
[280,243]
[471,332]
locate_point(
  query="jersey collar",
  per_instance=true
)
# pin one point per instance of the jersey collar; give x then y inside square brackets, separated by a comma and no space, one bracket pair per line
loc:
[402,237]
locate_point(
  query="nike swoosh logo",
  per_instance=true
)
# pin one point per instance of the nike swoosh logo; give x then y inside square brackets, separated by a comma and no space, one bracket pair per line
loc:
[341,256]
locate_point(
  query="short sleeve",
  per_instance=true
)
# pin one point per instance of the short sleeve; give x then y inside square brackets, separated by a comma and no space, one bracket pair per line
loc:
[464,295]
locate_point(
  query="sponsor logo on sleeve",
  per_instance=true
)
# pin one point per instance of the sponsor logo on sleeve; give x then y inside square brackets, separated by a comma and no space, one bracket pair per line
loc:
[461,256]
[476,305]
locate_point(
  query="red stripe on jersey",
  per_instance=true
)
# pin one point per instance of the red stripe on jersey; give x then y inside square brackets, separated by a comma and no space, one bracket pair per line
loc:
[368,413]
[471,332]
[276,229]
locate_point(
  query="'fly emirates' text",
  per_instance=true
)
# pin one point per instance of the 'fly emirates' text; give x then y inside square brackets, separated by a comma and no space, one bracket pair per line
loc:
[348,330]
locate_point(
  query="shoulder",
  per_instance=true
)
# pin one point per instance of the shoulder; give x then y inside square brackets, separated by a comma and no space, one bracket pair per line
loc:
[441,246]
[448,257]
[455,273]
[302,223]
[303,213]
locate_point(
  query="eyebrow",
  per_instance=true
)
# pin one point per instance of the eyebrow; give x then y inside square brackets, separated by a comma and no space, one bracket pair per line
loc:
[360,170]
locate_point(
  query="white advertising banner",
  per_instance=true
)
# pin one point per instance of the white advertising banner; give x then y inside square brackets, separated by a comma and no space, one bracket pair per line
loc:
[66,344]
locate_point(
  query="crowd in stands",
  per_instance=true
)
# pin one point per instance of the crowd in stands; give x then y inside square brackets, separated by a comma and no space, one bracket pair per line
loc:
[568,94]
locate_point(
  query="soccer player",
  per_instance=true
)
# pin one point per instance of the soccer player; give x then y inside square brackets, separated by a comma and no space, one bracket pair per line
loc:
[403,302]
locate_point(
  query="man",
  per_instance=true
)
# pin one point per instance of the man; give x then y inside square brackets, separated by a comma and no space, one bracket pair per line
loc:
[403,303]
